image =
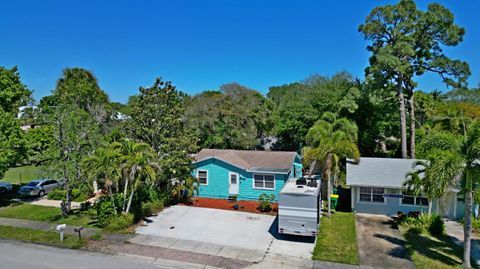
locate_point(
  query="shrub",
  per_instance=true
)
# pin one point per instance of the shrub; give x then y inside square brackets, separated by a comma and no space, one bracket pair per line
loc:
[79,196]
[61,194]
[57,194]
[105,212]
[265,202]
[147,209]
[151,208]
[120,222]
[437,226]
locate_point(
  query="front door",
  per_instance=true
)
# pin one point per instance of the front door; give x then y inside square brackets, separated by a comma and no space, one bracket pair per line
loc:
[233,183]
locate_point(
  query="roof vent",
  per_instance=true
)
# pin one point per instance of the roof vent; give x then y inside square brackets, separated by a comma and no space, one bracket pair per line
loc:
[301,181]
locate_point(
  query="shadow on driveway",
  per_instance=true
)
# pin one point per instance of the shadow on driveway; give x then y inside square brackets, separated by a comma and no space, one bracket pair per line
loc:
[273,230]
[379,244]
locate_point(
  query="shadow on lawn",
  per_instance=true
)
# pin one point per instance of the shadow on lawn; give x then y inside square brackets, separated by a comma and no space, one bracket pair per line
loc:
[441,250]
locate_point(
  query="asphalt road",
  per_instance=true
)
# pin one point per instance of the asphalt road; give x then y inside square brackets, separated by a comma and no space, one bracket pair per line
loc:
[17,255]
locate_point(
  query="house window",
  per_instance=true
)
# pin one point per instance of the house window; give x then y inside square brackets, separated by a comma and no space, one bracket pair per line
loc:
[202,176]
[410,199]
[371,195]
[264,182]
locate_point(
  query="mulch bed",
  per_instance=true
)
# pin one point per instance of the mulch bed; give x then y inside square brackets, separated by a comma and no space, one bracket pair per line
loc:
[243,206]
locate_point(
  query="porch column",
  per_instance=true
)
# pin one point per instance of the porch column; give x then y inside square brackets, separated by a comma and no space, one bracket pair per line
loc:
[351,196]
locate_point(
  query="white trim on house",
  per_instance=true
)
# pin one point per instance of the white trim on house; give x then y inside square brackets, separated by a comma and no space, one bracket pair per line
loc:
[206,171]
[263,174]
[371,196]
[352,200]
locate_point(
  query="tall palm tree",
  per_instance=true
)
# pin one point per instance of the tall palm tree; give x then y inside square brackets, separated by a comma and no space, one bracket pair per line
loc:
[329,140]
[103,164]
[459,158]
[138,167]
[128,149]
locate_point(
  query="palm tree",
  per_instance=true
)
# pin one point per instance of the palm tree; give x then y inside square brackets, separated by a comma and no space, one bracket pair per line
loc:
[424,182]
[329,140]
[138,167]
[455,159]
[128,150]
[103,164]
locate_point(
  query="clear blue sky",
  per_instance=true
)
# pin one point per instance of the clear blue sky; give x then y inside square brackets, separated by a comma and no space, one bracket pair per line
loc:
[199,45]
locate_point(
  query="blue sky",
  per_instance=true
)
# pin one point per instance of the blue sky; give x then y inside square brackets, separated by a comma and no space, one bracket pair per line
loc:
[199,45]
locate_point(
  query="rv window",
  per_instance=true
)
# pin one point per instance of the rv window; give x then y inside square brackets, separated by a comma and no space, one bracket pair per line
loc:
[203,177]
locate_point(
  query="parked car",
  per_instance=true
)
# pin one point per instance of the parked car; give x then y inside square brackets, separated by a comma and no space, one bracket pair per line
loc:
[39,187]
[5,186]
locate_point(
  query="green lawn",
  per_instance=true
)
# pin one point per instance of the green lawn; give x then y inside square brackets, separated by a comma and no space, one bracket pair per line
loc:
[46,214]
[336,240]
[41,237]
[23,174]
[428,252]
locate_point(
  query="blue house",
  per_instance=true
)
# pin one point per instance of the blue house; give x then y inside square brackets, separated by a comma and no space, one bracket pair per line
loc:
[244,173]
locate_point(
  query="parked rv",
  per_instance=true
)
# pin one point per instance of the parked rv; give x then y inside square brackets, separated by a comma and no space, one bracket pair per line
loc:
[299,206]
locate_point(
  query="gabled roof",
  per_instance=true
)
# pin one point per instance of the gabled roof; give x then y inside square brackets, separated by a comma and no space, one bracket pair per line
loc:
[251,160]
[379,172]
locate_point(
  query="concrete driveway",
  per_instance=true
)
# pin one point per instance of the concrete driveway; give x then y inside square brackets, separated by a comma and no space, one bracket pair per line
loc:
[379,244]
[221,232]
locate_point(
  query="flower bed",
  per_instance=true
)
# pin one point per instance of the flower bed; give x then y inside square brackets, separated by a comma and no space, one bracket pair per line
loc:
[244,206]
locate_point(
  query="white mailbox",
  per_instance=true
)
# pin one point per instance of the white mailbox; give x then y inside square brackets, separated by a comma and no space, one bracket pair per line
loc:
[61,229]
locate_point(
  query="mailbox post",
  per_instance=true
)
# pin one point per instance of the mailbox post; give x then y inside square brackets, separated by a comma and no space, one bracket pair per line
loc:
[61,229]
[79,231]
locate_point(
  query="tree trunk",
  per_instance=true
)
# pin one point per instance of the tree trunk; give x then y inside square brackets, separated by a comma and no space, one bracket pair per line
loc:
[467,228]
[125,194]
[328,175]
[95,186]
[430,207]
[111,196]
[412,125]
[403,121]
[129,202]
[329,192]
[65,205]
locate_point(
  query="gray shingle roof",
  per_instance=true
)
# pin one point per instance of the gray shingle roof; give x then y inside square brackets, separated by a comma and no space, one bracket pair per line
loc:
[379,172]
[260,161]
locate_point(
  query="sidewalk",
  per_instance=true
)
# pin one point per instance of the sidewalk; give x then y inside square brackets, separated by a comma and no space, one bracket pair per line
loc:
[203,254]
[43,226]
[455,231]
[120,245]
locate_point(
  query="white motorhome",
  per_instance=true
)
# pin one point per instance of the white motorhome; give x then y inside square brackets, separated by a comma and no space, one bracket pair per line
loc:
[299,206]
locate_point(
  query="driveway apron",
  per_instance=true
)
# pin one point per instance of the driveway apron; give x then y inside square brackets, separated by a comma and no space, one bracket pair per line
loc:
[379,244]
